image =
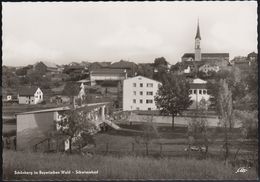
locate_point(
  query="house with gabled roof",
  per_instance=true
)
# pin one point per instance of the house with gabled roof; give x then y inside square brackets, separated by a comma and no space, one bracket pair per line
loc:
[130,67]
[45,67]
[30,95]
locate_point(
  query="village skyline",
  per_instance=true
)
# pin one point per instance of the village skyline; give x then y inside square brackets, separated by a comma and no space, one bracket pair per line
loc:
[110,32]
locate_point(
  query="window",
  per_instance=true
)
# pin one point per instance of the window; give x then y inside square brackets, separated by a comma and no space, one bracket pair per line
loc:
[141,93]
[190,91]
[200,92]
[204,91]
[149,101]
[141,85]
[141,101]
[134,101]
[149,93]
[134,92]
[195,91]
[149,109]
[134,84]
[149,85]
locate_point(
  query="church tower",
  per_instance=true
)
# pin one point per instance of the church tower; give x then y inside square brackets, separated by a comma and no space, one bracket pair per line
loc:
[197,44]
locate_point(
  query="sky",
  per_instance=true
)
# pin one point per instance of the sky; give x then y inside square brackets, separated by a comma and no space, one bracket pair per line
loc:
[63,32]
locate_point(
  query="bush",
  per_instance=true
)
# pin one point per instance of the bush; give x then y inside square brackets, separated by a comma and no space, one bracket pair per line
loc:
[249,121]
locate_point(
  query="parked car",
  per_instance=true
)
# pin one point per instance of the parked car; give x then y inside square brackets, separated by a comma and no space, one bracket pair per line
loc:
[196,148]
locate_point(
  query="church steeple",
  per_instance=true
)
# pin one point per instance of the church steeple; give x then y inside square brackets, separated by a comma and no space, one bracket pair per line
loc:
[198,32]
[197,44]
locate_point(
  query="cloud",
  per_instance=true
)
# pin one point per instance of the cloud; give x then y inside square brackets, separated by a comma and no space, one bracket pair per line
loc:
[132,37]
[22,53]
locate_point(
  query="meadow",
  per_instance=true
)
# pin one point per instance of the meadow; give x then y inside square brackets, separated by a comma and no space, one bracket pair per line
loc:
[111,167]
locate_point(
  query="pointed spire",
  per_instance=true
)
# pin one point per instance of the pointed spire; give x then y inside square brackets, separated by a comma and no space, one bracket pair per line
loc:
[198,31]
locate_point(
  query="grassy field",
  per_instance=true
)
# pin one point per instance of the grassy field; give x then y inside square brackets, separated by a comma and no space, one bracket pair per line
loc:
[109,167]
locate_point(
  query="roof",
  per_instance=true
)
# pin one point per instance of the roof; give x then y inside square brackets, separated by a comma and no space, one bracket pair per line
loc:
[49,64]
[27,91]
[75,67]
[101,64]
[84,81]
[198,32]
[187,55]
[123,64]
[92,105]
[198,81]
[46,110]
[142,77]
[108,71]
[198,86]
[215,55]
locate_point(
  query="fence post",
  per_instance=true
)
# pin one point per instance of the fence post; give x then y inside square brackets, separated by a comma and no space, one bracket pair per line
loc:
[106,148]
[133,147]
[146,145]
[48,144]
[189,150]
[57,144]
[160,149]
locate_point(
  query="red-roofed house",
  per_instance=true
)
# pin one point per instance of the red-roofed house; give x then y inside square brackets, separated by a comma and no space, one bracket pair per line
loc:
[30,95]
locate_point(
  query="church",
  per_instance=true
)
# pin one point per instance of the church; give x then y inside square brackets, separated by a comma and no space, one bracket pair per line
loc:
[197,59]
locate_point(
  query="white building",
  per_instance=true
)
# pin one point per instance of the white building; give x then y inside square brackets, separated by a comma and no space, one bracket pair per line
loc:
[30,95]
[209,67]
[139,92]
[9,97]
[187,70]
[198,91]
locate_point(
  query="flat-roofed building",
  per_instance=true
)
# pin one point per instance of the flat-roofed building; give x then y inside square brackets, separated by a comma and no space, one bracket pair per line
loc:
[139,92]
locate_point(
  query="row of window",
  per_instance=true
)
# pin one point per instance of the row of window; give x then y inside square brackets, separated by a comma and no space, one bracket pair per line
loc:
[148,101]
[141,85]
[40,96]
[194,91]
[141,93]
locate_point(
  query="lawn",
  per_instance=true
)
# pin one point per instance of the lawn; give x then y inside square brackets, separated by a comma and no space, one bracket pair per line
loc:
[112,167]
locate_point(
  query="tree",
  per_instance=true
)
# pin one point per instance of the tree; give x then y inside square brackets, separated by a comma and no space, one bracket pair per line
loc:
[160,68]
[173,96]
[9,79]
[226,112]
[75,124]
[160,62]
[198,127]
[145,70]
